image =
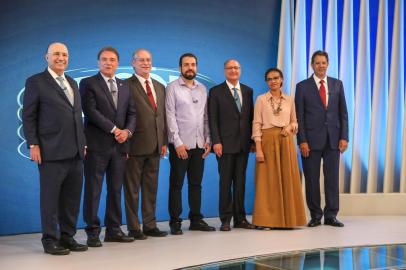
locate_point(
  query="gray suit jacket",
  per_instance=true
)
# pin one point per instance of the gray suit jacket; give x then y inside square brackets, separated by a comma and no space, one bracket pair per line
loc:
[150,133]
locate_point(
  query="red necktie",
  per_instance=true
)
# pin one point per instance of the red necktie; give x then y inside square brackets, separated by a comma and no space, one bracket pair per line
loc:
[322,91]
[149,94]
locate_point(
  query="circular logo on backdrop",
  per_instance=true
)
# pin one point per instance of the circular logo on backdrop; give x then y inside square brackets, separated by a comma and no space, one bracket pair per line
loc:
[163,75]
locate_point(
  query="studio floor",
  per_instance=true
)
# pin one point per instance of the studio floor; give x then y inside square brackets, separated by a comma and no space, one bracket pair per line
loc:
[302,248]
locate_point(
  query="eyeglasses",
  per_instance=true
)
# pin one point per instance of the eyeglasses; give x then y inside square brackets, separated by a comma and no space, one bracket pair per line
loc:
[273,79]
[230,68]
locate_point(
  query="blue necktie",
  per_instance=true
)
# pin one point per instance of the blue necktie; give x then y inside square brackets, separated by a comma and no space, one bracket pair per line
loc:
[237,99]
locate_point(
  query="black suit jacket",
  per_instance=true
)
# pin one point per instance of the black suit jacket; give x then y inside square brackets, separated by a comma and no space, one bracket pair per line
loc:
[50,121]
[315,121]
[150,133]
[101,115]
[227,125]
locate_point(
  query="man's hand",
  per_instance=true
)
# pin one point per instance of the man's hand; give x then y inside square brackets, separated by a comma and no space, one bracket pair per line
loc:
[164,149]
[121,135]
[260,156]
[206,150]
[181,151]
[342,145]
[304,149]
[35,154]
[218,149]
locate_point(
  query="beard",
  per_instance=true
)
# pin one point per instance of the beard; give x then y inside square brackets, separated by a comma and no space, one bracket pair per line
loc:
[189,74]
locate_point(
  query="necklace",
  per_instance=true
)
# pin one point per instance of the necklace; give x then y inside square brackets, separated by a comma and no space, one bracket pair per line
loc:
[278,109]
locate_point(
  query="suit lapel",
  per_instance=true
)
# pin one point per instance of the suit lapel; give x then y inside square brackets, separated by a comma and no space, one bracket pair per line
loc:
[245,98]
[55,85]
[103,85]
[315,91]
[141,92]
[230,96]
[75,91]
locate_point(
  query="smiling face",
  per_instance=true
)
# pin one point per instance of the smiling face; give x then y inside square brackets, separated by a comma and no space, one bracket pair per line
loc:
[142,63]
[274,80]
[232,71]
[57,57]
[108,63]
[320,65]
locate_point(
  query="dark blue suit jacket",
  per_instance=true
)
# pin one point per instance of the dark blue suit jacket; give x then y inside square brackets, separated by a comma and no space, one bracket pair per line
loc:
[50,121]
[101,115]
[317,122]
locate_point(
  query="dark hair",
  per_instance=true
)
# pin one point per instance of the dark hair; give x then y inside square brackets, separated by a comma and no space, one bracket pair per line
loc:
[319,53]
[186,55]
[274,70]
[108,49]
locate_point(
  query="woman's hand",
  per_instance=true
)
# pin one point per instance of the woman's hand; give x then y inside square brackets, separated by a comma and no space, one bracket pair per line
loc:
[260,156]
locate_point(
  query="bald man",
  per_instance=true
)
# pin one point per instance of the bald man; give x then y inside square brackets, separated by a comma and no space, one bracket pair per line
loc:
[53,128]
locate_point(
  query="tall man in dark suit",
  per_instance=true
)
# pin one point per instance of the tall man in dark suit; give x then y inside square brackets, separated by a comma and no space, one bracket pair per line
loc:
[148,144]
[323,133]
[53,128]
[109,121]
[230,118]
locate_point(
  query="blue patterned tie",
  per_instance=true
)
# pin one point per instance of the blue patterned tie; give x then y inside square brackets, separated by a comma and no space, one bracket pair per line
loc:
[237,99]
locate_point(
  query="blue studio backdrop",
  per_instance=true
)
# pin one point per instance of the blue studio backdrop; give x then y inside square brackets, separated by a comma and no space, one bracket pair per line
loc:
[213,30]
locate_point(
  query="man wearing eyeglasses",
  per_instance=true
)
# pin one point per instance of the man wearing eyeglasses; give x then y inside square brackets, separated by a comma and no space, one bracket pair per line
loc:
[230,118]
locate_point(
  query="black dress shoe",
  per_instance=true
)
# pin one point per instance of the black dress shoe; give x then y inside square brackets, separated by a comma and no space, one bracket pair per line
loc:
[201,225]
[333,222]
[52,247]
[155,232]
[244,224]
[71,244]
[225,227]
[314,223]
[137,235]
[93,241]
[176,228]
[117,236]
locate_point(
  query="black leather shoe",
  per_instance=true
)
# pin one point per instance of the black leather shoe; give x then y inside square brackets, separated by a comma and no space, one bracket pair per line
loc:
[176,228]
[71,244]
[137,235]
[155,232]
[117,236]
[314,223]
[201,225]
[225,227]
[93,241]
[244,224]
[333,222]
[52,247]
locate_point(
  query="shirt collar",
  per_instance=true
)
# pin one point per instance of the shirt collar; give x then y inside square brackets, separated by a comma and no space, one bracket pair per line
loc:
[182,82]
[54,75]
[231,86]
[268,95]
[317,79]
[107,78]
[142,79]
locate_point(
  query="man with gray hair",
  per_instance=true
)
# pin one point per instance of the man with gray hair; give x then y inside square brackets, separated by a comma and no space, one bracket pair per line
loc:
[147,146]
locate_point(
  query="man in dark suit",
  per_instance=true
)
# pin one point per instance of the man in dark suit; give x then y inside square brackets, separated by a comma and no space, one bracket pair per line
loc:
[53,128]
[323,133]
[109,122]
[148,144]
[230,119]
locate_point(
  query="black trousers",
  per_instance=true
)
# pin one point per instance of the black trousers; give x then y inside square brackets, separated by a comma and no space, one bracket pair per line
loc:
[193,166]
[232,170]
[97,164]
[311,169]
[60,191]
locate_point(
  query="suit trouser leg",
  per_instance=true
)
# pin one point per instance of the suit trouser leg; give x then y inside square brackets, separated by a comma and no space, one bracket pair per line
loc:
[176,177]
[331,162]
[226,172]
[69,199]
[132,182]
[195,177]
[52,175]
[241,160]
[311,168]
[149,189]
[114,179]
[95,165]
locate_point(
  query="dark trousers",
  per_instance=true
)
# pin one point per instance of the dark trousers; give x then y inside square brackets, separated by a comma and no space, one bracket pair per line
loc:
[60,191]
[97,164]
[311,168]
[232,170]
[141,175]
[193,166]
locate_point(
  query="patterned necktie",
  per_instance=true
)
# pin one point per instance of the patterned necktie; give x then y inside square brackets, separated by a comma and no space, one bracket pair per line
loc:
[113,91]
[322,91]
[149,94]
[237,99]
[65,89]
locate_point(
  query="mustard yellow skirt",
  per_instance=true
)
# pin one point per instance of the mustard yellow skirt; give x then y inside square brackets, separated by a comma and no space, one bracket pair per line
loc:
[278,192]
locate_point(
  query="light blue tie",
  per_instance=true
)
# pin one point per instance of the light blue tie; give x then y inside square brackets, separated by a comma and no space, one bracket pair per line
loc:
[65,89]
[237,99]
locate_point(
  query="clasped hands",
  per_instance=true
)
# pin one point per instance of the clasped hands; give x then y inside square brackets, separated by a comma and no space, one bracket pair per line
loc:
[121,135]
